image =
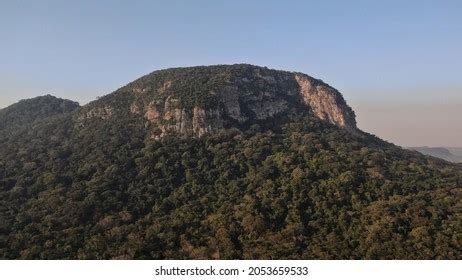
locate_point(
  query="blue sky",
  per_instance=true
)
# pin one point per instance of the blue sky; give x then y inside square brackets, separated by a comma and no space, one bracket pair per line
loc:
[390,59]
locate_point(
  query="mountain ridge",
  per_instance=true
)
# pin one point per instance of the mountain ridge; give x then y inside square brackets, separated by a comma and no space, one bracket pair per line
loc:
[439,152]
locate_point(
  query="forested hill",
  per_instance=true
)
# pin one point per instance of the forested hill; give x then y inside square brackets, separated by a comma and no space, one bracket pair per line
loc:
[27,112]
[223,162]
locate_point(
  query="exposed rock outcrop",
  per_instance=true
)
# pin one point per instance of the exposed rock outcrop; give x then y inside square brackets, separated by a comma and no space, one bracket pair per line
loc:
[168,116]
[200,100]
[326,102]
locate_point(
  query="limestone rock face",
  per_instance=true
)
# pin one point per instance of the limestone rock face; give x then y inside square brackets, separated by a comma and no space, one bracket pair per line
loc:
[326,102]
[169,117]
[201,100]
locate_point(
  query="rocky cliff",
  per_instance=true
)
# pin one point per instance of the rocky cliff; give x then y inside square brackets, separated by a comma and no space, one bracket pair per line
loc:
[200,100]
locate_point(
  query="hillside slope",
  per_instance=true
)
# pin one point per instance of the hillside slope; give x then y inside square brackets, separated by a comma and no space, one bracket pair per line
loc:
[131,177]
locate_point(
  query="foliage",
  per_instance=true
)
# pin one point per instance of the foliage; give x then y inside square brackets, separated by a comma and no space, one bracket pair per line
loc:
[26,112]
[291,188]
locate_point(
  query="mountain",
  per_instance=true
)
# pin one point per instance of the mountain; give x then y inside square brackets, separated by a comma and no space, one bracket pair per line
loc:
[455,151]
[200,100]
[439,152]
[27,112]
[221,162]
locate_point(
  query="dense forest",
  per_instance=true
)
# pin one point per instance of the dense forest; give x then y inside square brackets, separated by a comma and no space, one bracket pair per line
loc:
[27,112]
[291,187]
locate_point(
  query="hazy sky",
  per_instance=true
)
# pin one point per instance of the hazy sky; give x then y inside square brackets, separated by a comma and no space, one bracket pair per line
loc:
[398,63]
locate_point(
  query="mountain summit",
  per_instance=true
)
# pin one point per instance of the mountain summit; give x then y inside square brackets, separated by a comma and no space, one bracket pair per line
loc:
[205,99]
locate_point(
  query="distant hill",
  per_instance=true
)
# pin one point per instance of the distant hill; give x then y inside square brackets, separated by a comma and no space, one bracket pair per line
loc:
[448,154]
[218,162]
[27,112]
[455,150]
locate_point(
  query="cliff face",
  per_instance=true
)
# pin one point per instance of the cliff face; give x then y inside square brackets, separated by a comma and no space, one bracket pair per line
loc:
[326,103]
[169,116]
[200,100]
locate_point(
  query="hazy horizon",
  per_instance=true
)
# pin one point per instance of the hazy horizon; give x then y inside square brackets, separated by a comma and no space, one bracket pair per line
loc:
[397,63]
